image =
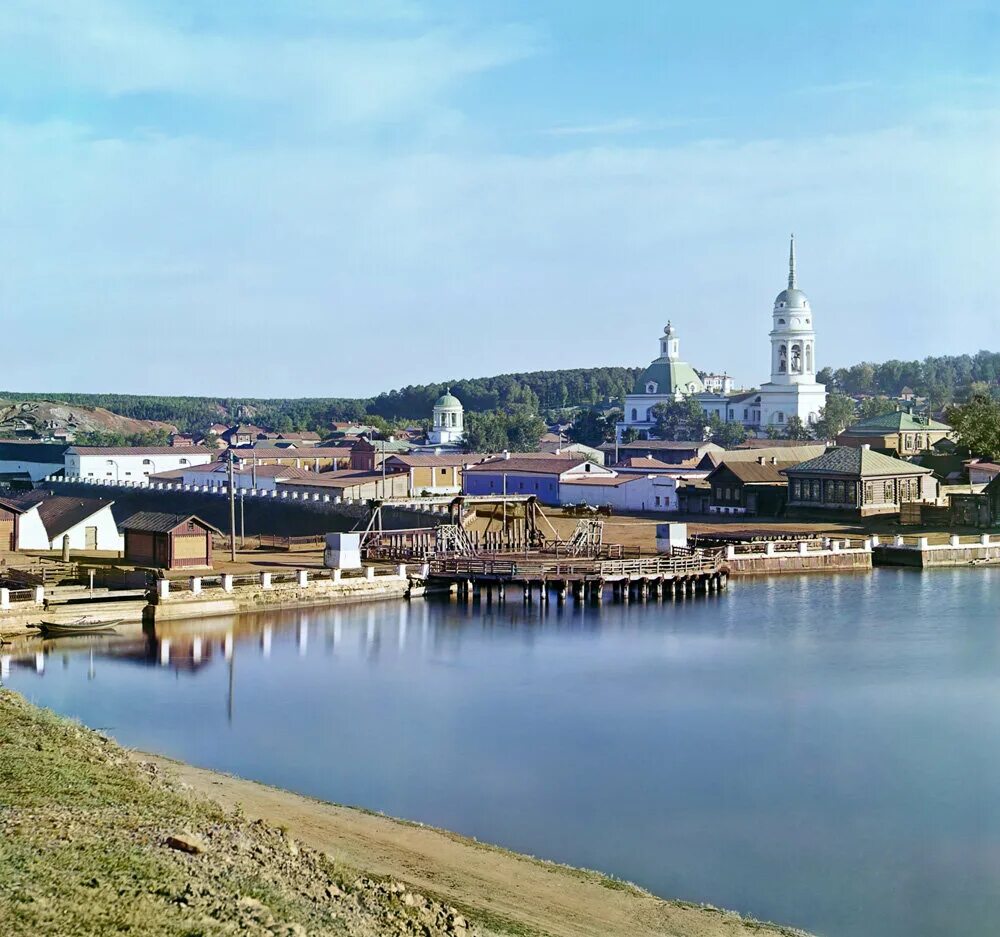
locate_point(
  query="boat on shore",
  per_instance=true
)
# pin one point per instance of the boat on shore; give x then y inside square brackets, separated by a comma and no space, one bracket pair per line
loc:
[84,625]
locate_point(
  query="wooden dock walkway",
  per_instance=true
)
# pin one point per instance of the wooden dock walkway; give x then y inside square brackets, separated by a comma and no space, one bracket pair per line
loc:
[585,578]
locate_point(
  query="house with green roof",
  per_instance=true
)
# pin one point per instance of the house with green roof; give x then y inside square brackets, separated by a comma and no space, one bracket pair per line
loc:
[899,432]
[857,481]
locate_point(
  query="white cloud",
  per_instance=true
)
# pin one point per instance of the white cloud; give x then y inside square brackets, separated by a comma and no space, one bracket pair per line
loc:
[110,48]
[182,265]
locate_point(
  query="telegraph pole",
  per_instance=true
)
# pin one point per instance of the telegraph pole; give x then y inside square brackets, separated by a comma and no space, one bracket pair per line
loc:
[232,510]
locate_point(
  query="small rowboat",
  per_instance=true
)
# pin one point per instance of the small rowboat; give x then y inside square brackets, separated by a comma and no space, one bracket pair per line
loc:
[85,625]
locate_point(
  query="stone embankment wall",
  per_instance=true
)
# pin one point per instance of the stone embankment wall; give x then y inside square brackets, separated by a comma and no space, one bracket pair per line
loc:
[262,513]
[981,550]
[228,595]
[767,559]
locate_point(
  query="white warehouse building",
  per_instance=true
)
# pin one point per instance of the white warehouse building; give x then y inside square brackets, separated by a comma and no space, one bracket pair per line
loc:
[117,464]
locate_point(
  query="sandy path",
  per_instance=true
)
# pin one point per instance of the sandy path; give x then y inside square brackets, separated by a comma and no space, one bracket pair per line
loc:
[530,897]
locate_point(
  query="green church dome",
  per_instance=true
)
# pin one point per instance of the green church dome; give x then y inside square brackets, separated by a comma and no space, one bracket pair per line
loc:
[448,401]
[669,376]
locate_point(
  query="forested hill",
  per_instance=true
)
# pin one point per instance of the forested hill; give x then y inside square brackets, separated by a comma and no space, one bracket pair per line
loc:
[944,379]
[535,391]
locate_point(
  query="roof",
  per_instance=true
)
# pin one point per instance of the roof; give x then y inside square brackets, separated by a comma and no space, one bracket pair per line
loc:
[606,480]
[645,462]
[344,479]
[652,445]
[792,298]
[671,377]
[415,460]
[182,453]
[449,401]
[158,522]
[16,451]
[980,465]
[58,513]
[532,465]
[894,421]
[753,473]
[793,454]
[312,452]
[847,460]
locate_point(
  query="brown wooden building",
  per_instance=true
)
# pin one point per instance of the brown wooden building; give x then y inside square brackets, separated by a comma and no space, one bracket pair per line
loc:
[859,481]
[749,487]
[167,541]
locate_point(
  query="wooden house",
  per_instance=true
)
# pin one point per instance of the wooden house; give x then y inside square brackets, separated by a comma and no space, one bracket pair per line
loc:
[168,541]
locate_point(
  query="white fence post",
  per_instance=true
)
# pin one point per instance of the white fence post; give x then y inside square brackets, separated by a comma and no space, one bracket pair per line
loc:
[4,598]
[196,585]
[39,595]
[303,577]
[162,588]
[227,582]
[265,581]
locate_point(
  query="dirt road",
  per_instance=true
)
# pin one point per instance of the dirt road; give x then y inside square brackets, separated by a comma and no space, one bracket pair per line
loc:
[505,893]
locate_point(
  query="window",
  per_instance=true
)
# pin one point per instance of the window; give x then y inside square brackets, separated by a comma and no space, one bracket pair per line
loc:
[651,387]
[657,500]
[444,471]
[888,491]
[635,414]
[781,417]
[746,414]
[718,494]
[781,321]
[147,461]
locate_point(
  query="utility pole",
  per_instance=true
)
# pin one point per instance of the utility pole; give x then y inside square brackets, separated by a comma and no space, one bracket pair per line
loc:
[232,510]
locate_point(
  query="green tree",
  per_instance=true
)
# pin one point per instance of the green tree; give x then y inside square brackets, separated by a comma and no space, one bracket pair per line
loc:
[796,429]
[589,428]
[727,435]
[681,419]
[978,426]
[875,406]
[835,417]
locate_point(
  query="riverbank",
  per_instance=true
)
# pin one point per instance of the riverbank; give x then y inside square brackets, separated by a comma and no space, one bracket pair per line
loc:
[94,839]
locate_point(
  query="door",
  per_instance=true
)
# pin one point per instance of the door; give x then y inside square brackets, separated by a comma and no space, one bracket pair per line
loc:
[90,535]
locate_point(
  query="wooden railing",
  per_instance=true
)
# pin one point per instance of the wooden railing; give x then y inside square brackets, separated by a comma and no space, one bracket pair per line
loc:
[536,568]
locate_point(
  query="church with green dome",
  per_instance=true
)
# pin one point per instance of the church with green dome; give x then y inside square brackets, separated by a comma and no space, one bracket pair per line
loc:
[792,391]
[448,427]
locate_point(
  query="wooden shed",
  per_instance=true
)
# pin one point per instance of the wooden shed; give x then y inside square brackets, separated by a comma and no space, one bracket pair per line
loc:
[168,541]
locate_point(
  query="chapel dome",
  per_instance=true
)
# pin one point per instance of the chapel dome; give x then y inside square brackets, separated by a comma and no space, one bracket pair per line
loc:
[448,401]
[791,298]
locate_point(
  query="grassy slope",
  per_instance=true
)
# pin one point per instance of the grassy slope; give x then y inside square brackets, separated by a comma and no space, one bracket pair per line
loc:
[82,851]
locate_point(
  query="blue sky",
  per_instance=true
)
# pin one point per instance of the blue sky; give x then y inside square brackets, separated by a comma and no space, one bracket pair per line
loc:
[323,198]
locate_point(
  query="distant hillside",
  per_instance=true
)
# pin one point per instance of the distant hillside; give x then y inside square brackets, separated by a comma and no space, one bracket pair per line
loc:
[537,390]
[19,414]
[944,379]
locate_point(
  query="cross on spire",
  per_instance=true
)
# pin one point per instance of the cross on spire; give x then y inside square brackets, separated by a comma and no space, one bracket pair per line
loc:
[791,263]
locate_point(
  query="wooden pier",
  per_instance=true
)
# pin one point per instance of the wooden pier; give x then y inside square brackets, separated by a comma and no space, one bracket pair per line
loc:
[586,579]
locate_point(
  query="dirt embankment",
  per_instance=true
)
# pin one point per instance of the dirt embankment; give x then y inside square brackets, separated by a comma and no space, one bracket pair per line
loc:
[504,893]
[97,840]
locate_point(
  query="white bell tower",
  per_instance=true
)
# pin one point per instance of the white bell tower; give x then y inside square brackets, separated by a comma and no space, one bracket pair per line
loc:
[793,338]
[792,390]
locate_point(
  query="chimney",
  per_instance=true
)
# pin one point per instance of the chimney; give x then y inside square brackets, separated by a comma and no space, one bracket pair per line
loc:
[774,460]
[866,446]
[761,460]
[506,453]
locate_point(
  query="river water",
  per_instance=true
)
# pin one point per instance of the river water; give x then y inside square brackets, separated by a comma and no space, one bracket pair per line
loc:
[819,751]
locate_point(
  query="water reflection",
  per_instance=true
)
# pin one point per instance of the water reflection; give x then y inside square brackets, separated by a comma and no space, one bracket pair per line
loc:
[821,751]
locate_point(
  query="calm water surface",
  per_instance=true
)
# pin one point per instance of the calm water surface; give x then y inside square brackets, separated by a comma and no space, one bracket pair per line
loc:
[824,752]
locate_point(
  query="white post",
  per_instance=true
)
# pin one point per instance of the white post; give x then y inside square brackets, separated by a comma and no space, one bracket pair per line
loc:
[769,548]
[227,582]
[803,547]
[869,543]
[401,570]
[921,543]
[162,588]
[265,581]
[336,575]
[898,541]
[196,585]
[875,540]
[730,553]
[369,572]
[954,540]
[984,540]
[4,598]
[39,595]
[303,577]
[835,546]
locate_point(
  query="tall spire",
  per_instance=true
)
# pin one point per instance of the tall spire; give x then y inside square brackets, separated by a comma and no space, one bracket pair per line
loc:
[791,263]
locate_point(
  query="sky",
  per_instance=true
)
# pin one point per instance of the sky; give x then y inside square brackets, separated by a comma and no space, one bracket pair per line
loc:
[319,198]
